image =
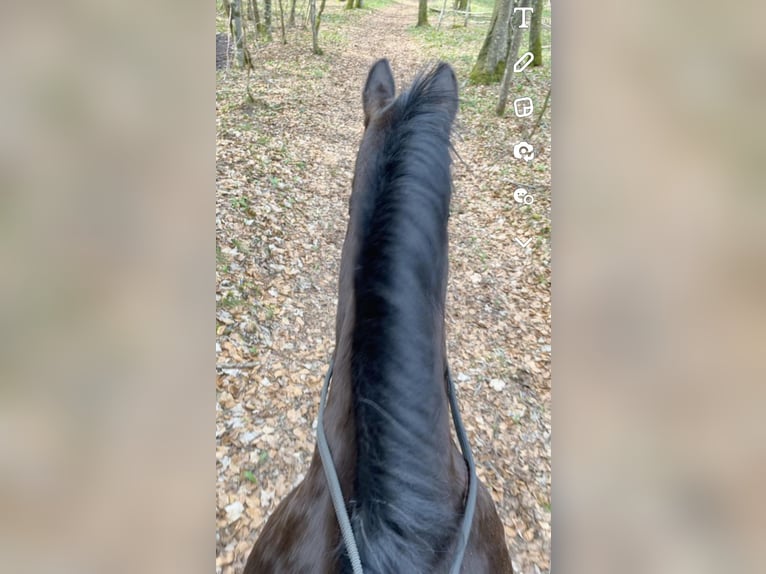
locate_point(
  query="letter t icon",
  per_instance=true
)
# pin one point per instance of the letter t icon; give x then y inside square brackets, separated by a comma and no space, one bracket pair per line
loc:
[524,10]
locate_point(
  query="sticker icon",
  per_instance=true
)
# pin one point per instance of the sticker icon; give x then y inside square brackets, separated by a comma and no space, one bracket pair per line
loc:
[523,150]
[523,107]
[522,63]
[521,195]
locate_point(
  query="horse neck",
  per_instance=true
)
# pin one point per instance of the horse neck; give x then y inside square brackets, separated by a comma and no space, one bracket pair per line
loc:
[340,418]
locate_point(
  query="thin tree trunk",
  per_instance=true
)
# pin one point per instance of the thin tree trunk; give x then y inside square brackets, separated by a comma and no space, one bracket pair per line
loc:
[441,14]
[259,31]
[226,6]
[513,55]
[314,31]
[282,21]
[319,15]
[539,116]
[535,29]
[250,10]
[267,17]
[422,13]
[235,28]
[291,22]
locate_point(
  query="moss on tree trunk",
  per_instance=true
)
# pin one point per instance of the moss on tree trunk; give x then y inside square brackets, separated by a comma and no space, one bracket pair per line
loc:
[535,32]
[490,64]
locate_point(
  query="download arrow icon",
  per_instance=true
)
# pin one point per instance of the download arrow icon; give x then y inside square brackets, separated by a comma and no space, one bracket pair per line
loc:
[522,243]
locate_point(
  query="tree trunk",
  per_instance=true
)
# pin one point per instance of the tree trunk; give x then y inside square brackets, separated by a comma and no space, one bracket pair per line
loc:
[226,6]
[441,14]
[319,15]
[291,23]
[267,17]
[282,22]
[535,36]
[314,31]
[235,28]
[460,4]
[422,13]
[490,63]
[250,10]
[513,55]
[259,31]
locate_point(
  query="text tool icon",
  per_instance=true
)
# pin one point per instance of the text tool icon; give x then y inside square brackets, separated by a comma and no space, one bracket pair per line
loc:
[521,195]
[523,107]
[525,11]
[522,63]
[523,150]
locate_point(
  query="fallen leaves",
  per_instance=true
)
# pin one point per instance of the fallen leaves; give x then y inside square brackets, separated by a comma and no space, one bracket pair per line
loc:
[234,511]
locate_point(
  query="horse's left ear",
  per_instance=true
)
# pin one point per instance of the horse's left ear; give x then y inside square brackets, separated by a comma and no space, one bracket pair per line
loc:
[379,89]
[443,87]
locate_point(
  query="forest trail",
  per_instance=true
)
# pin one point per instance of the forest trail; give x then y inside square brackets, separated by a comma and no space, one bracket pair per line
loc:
[388,38]
[284,169]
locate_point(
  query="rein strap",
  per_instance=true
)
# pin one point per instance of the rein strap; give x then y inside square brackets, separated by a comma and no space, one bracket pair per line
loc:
[337,494]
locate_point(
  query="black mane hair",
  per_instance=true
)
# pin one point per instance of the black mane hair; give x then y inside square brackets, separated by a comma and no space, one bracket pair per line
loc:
[402,519]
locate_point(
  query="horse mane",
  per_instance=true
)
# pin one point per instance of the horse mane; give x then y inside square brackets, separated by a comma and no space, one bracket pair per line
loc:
[402,516]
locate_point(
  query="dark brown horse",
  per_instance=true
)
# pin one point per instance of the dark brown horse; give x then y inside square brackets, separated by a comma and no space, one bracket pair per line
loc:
[403,482]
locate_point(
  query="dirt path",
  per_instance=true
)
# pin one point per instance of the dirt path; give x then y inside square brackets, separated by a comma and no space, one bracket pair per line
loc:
[284,176]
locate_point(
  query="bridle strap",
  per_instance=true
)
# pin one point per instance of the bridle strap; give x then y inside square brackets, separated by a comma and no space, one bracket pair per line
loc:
[332,480]
[470,503]
[336,494]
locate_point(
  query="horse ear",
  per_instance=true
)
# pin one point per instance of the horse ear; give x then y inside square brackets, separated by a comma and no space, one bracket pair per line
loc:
[443,87]
[379,89]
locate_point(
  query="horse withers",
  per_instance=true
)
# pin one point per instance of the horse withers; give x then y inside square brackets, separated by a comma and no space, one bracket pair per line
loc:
[401,486]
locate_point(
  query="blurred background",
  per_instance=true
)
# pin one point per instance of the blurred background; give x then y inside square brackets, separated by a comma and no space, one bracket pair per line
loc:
[659,314]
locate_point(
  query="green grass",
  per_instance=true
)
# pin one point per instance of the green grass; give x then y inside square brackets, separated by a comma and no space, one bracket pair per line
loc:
[458,46]
[230,301]
[221,261]
[248,474]
[331,38]
[239,203]
[238,244]
[332,17]
[375,4]
[275,181]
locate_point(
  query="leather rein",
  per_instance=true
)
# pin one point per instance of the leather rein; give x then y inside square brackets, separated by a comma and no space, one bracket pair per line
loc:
[337,495]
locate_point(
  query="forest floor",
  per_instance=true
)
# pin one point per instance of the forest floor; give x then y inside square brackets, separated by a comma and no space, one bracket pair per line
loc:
[284,169]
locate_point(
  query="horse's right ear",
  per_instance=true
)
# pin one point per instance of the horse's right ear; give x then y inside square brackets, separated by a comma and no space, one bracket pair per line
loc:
[379,89]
